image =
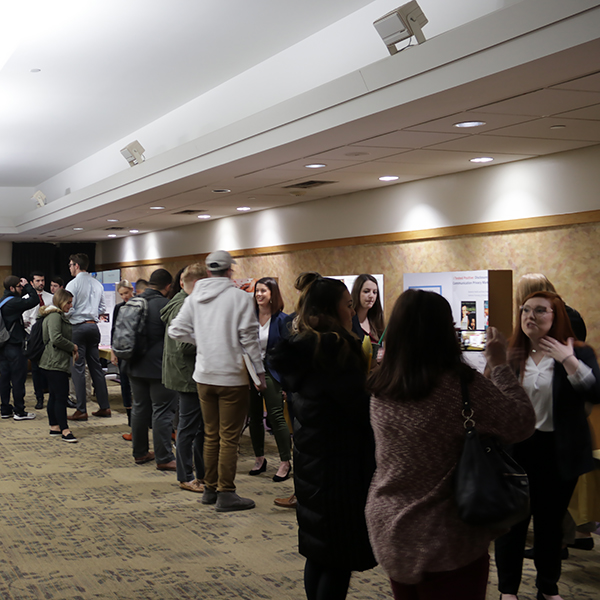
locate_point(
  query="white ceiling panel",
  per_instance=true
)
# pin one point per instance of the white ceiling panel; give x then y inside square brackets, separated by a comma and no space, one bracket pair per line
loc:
[515,146]
[543,103]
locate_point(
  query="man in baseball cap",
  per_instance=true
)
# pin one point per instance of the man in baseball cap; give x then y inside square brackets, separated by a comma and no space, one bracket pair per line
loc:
[221,321]
[219,260]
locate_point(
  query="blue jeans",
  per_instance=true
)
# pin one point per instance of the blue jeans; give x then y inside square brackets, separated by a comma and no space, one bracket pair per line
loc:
[153,404]
[190,438]
[87,337]
[13,372]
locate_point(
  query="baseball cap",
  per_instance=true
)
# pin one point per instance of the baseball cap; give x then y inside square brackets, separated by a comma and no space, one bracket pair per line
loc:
[219,261]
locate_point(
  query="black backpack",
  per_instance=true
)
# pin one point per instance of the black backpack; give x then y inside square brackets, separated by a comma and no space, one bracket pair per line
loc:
[129,337]
[34,346]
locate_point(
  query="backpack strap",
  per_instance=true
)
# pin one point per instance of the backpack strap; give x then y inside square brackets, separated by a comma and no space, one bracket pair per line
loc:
[5,301]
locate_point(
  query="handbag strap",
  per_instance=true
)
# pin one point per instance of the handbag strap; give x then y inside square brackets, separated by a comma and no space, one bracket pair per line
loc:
[467,409]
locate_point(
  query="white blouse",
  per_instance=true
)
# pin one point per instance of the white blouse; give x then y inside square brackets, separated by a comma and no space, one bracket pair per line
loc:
[537,382]
[263,338]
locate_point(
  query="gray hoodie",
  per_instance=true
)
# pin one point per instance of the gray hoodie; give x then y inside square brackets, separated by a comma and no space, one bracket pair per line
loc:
[220,320]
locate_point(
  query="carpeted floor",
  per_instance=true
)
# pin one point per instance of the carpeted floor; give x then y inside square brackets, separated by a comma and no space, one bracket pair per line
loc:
[82,521]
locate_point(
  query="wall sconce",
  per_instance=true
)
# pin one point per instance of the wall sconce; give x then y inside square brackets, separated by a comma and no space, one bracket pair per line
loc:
[40,199]
[134,153]
[401,24]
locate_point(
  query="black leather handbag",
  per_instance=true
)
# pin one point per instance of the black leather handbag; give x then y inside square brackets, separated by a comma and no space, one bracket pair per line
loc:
[491,489]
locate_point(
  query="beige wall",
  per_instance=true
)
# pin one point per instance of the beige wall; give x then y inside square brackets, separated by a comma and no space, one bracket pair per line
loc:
[569,256]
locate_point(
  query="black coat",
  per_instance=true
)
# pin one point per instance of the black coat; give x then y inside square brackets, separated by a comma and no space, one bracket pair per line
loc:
[572,432]
[12,312]
[334,448]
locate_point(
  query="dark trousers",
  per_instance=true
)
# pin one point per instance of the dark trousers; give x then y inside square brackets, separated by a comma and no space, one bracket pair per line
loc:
[38,377]
[467,583]
[87,337]
[190,438]
[58,386]
[13,372]
[325,583]
[273,400]
[153,404]
[125,384]
[550,496]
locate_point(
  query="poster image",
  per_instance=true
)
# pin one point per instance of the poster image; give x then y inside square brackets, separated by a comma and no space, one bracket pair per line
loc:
[468,314]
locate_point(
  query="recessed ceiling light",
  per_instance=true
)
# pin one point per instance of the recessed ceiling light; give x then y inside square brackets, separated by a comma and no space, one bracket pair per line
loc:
[243,208]
[482,159]
[389,178]
[467,124]
[77,228]
[113,220]
[134,231]
[112,235]
[558,127]
[223,191]
[157,208]
[35,70]
[204,216]
[315,166]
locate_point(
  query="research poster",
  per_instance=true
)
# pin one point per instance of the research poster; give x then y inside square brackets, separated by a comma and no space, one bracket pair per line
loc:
[467,293]
[350,279]
[109,280]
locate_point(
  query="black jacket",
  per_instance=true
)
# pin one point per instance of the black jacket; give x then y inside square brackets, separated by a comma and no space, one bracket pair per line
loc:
[12,312]
[334,448]
[149,364]
[572,432]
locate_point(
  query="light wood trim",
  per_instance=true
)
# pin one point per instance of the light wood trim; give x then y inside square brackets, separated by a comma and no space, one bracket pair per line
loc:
[580,218]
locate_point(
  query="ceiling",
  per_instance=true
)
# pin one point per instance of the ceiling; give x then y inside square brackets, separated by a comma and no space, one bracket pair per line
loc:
[544,106]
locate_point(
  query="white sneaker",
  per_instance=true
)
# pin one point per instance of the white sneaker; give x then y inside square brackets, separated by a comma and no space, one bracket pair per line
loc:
[24,417]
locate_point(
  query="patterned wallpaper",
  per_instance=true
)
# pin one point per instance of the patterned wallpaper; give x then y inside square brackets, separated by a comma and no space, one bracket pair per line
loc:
[569,256]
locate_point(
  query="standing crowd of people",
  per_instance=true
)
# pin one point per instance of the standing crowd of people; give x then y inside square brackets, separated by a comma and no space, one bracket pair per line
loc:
[378,426]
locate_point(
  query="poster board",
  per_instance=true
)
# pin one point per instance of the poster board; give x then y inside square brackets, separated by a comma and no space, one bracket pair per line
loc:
[109,280]
[350,279]
[478,299]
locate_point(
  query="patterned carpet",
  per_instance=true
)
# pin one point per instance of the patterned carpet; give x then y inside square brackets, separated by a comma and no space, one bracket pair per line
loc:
[82,521]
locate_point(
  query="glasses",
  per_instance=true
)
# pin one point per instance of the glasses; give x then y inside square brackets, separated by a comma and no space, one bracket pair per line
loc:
[71,264]
[538,311]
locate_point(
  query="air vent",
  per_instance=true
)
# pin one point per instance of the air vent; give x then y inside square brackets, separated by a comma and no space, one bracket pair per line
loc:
[305,185]
[189,212]
[114,228]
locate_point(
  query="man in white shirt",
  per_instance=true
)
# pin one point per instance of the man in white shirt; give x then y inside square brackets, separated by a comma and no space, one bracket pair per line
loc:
[37,279]
[88,303]
[220,320]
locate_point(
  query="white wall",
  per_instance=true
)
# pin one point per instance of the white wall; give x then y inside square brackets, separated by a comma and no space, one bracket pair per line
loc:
[566,182]
[342,48]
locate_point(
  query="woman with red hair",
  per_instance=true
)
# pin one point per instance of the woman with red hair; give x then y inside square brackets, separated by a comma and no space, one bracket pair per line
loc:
[560,375]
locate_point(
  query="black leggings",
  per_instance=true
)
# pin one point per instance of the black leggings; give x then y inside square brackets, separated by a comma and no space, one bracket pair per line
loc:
[325,583]
[58,385]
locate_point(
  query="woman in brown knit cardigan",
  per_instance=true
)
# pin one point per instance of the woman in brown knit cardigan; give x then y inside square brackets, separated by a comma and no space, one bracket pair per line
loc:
[414,527]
